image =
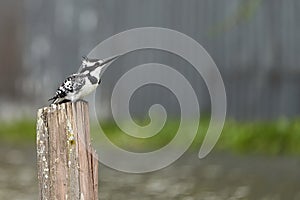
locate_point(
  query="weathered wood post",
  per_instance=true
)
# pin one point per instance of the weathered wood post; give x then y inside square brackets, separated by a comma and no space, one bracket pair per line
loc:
[67,164]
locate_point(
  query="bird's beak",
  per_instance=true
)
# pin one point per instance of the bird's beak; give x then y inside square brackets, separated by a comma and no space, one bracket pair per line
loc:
[107,60]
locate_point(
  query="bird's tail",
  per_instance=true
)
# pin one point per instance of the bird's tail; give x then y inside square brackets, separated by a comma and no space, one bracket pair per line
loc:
[53,99]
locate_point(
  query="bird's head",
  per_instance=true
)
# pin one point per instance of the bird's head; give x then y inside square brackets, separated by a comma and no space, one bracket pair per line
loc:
[88,62]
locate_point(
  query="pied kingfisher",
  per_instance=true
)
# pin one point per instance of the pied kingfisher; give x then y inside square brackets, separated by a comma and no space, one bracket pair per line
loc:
[78,85]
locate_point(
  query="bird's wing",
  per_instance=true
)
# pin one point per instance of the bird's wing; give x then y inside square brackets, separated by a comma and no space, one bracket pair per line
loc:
[71,84]
[77,82]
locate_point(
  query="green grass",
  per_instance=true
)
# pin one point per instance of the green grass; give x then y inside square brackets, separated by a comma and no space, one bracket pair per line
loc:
[276,137]
[281,136]
[21,132]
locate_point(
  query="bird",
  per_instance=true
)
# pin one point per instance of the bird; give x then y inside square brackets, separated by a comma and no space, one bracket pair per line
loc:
[85,81]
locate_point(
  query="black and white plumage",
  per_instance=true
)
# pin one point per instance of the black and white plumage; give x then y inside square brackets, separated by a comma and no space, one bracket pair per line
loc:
[79,85]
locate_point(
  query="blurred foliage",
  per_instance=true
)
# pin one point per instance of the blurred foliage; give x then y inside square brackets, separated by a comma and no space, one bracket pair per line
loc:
[21,132]
[130,143]
[276,137]
[271,137]
[281,136]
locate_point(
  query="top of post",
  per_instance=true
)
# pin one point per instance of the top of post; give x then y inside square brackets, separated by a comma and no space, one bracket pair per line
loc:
[63,106]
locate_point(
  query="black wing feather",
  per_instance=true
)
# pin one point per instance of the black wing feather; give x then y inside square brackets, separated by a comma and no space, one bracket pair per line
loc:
[71,84]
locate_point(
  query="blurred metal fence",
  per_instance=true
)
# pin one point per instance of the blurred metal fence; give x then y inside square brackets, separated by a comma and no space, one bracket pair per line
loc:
[255,44]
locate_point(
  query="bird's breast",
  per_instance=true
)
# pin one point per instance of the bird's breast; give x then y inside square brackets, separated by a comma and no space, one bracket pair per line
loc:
[87,89]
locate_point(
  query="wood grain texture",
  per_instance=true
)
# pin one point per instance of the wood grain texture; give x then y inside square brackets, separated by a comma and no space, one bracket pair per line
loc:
[67,164]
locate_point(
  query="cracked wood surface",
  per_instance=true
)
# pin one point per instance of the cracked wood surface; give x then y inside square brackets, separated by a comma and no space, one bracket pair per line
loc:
[67,164]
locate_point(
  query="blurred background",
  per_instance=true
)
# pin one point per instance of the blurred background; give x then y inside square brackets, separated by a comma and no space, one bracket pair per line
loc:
[254,44]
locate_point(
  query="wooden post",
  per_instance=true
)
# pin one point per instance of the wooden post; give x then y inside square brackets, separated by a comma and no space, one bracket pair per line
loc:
[67,164]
